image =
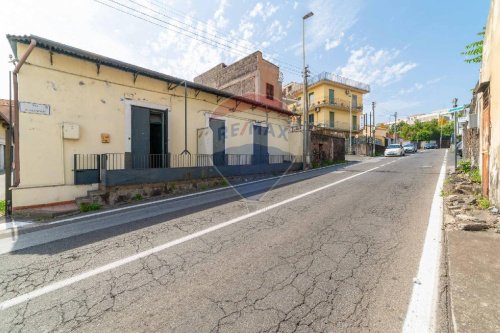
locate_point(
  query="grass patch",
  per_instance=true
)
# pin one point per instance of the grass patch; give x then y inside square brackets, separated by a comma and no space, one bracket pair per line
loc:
[464,166]
[89,207]
[475,176]
[224,182]
[203,187]
[444,193]
[483,203]
[137,197]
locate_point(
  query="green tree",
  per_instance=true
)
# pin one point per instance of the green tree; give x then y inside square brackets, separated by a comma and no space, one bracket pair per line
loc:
[474,50]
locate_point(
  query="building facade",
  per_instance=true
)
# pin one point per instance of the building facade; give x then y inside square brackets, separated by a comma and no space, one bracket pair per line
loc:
[335,102]
[252,76]
[76,107]
[488,100]
[4,122]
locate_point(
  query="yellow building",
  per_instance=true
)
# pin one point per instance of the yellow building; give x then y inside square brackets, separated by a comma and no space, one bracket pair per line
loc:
[77,107]
[488,97]
[334,101]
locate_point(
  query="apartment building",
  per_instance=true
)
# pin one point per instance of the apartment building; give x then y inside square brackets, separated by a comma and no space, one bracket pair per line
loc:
[335,102]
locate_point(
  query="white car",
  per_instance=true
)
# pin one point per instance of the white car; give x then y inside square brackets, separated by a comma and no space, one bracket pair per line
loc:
[394,149]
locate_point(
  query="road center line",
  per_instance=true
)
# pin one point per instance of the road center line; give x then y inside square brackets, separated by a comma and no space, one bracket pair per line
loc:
[80,277]
[421,314]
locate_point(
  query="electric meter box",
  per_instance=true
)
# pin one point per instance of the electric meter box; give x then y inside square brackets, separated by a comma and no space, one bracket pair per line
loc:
[71,131]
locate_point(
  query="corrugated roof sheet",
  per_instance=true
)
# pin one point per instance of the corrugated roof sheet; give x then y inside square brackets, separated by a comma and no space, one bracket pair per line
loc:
[102,60]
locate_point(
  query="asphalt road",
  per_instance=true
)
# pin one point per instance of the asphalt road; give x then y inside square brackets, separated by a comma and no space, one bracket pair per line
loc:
[340,258]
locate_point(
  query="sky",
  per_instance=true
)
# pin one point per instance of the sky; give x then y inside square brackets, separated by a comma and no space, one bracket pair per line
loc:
[407,50]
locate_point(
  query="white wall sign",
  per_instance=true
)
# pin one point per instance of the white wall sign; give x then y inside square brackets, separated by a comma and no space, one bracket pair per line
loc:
[36,108]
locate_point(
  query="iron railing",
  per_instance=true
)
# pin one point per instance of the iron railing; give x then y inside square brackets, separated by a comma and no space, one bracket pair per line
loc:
[339,79]
[121,161]
[87,168]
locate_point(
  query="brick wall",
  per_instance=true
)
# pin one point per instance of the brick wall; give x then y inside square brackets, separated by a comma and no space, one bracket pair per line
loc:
[222,75]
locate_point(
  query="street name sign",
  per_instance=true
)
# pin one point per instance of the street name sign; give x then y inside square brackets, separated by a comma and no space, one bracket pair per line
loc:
[457,109]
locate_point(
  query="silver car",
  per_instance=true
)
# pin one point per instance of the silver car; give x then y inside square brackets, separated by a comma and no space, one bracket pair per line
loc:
[410,148]
[394,149]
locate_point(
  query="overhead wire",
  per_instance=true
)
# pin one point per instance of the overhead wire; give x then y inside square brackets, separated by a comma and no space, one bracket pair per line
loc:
[197,34]
[169,26]
[215,33]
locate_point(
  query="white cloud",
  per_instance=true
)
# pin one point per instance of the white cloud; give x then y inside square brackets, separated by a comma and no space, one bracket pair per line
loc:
[331,44]
[433,81]
[264,11]
[330,22]
[385,108]
[295,5]
[416,87]
[276,32]
[373,66]
[219,15]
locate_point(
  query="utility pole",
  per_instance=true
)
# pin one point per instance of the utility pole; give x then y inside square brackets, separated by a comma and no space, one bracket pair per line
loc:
[348,92]
[454,102]
[8,157]
[306,159]
[440,130]
[373,129]
[395,123]
[370,134]
[365,119]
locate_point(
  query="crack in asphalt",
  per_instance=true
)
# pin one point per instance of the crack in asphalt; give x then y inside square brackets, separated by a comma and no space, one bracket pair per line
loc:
[325,282]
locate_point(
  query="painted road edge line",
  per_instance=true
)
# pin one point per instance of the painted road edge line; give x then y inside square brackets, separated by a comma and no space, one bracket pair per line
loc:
[421,314]
[85,275]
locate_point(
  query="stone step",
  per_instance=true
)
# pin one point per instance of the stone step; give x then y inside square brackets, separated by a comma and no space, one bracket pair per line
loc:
[48,212]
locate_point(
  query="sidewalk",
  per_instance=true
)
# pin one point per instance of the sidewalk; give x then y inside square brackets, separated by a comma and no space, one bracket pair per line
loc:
[474,280]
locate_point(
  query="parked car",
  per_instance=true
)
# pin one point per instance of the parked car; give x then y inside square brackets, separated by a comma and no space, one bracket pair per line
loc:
[431,146]
[394,149]
[460,146]
[410,148]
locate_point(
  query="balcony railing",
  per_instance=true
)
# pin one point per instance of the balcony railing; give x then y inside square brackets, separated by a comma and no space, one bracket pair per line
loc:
[337,125]
[335,103]
[339,79]
[334,78]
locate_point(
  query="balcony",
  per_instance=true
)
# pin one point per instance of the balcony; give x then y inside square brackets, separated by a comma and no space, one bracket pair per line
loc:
[337,126]
[336,103]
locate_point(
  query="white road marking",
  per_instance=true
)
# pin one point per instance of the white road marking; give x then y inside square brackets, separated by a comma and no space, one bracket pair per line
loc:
[421,314]
[80,277]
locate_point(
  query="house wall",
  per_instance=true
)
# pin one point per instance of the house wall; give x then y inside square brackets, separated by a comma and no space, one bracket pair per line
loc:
[321,94]
[490,71]
[245,77]
[100,103]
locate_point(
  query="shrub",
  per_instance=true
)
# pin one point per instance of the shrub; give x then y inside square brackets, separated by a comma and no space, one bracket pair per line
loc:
[464,166]
[475,176]
[137,197]
[2,207]
[89,207]
[483,203]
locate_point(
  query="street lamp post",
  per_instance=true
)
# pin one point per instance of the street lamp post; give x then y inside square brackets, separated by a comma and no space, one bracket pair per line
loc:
[306,158]
[455,101]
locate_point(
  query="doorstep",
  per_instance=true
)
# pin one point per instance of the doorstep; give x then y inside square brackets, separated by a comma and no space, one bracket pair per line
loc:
[47,211]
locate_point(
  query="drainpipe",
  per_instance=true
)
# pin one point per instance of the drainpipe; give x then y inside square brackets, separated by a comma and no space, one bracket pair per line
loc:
[16,110]
[185,151]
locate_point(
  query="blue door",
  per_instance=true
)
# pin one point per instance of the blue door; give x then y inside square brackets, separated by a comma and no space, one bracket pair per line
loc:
[260,148]
[218,128]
